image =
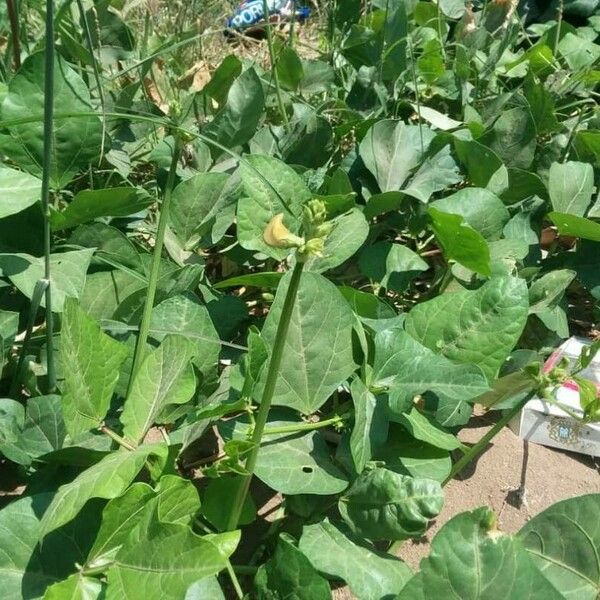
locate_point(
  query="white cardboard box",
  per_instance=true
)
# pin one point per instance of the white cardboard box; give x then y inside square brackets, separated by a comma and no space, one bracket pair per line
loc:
[547,424]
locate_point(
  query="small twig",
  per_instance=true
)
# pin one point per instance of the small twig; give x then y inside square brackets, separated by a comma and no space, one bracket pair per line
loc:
[117,438]
[14,32]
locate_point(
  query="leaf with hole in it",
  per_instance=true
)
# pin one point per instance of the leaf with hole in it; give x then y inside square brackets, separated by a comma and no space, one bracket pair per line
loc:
[471,559]
[67,271]
[480,327]
[317,356]
[88,205]
[571,186]
[19,191]
[107,479]
[270,188]
[383,505]
[391,150]
[77,141]
[460,242]
[289,574]
[371,575]
[92,360]
[170,556]
[164,377]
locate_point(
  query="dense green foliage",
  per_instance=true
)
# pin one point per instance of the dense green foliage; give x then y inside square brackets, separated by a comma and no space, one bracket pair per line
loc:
[290,281]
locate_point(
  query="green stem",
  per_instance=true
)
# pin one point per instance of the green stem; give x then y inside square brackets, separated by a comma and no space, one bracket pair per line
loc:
[481,445]
[267,396]
[338,419]
[117,438]
[274,73]
[47,160]
[14,32]
[163,219]
[234,580]
[561,8]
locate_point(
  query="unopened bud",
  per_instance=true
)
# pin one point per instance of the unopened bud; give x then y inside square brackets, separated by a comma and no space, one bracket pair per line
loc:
[277,235]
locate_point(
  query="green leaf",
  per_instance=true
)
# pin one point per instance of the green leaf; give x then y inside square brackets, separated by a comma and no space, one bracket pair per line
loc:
[425,429]
[370,425]
[430,65]
[185,316]
[460,242]
[350,231]
[171,557]
[270,188]
[77,141]
[177,500]
[548,290]
[12,417]
[371,575]
[480,327]
[289,574]
[289,68]
[92,360]
[574,226]
[263,280]
[91,204]
[217,495]
[76,587]
[107,479]
[193,203]
[164,377]
[19,191]
[453,9]
[391,150]
[67,270]
[470,559]
[237,121]
[205,588]
[571,186]
[383,505]
[480,162]
[409,369]
[563,542]
[317,356]
[392,265]
[481,209]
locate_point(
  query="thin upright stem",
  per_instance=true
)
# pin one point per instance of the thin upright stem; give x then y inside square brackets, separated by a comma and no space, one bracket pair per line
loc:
[163,219]
[267,396]
[13,18]
[274,72]
[47,165]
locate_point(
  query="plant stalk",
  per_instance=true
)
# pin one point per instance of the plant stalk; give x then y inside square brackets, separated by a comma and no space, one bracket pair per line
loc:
[302,427]
[267,396]
[13,18]
[140,347]
[117,438]
[47,159]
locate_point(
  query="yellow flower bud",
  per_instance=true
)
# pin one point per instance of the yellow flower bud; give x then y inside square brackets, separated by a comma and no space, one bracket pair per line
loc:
[277,235]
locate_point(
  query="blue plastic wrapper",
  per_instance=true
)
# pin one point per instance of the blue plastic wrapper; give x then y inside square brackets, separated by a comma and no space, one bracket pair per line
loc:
[251,13]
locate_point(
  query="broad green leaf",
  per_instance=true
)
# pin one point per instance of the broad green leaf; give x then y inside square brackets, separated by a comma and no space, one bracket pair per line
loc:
[430,64]
[270,188]
[27,568]
[289,68]
[205,588]
[563,542]
[185,316]
[171,557]
[371,575]
[218,494]
[164,377]
[523,184]
[92,360]
[67,271]
[77,141]
[91,204]
[107,479]
[317,356]
[192,205]
[237,121]
[579,52]
[383,505]
[408,369]
[19,191]
[572,225]
[548,290]
[453,9]
[481,209]
[76,587]
[480,162]
[289,574]
[370,425]
[367,305]
[460,242]
[471,560]
[391,150]
[266,280]
[177,500]
[480,327]
[349,232]
[571,186]
[392,265]
[425,429]
[12,417]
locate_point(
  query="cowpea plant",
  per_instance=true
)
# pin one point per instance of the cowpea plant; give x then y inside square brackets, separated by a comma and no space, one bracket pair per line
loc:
[243,321]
